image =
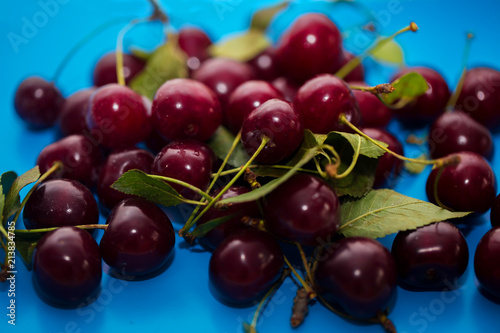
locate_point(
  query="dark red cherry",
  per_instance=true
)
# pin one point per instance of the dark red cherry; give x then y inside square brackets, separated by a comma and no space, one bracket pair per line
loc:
[80,157]
[428,106]
[321,101]
[214,237]
[304,209]
[194,42]
[117,163]
[67,267]
[374,113]
[389,167]
[186,160]
[495,213]
[357,74]
[105,69]
[186,109]
[119,115]
[454,132]
[469,186]
[309,47]
[245,99]
[38,102]
[139,238]
[72,118]
[431,257]
[287,88]
[486,263]
[265,65]
[155,142]
[245,265]
[277,120]
[359,275]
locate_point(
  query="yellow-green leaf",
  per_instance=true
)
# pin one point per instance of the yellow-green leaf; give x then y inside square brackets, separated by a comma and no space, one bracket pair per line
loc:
[388,52]
[262,18]
[241,47]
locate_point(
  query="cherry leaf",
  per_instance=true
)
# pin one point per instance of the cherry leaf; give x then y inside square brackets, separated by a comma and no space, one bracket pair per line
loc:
[12,199]
[406,89]
[206,227]
[388,52]
[221,143]
[242,47]
[6,181]
[262,18]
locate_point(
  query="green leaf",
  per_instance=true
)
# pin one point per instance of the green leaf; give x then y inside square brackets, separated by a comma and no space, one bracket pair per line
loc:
[25,245]
[12,200]
[6,181]
[309,141]
[140,53]
[383,212]
[368,149]
[165,63]
[416,168]
[204,228]
[262,18]
[221,142]
[389,52]
[155,190]
[242,47]
[406,88]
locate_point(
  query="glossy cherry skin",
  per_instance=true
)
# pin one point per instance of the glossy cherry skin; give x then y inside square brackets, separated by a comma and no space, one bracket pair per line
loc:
[480,96]
[469,186]
[389,167]
[244,266]
[38,102]
[309,47]
[186,160]
[456,131]
[194,42]
[120,115]
[214,237]
[245,99]
[430,257]
[265,65]
[304,209]
[321,101]
[431,104]
[60,202]
[287,88]
[67,267]
[357,74]
[105,69]
[495,213]
[486,263]
[139,238]
[374,113]
[277,120]
[359,274]
[117,163]
[72,118]
[186,109]
[80,156]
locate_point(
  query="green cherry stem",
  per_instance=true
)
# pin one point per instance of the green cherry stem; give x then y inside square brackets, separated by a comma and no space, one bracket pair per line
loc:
[258,166]
[454,97]
[187,185]
[384,88]
[353,163]
[306,264]
[41,230]
[304,284]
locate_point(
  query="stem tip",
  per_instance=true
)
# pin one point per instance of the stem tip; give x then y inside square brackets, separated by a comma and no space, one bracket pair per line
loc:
[413,26]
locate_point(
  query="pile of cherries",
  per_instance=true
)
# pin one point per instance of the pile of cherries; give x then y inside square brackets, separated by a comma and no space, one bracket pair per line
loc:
[284,90]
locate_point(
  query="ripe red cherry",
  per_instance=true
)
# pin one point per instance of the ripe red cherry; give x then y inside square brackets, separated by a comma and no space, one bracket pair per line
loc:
[469,186]
[374,113]
[38,102]
[287,88]
[431,257]
[244,266]
[304,209]
[194,42]
[486,263]
[67,267]
[245,99]
[357,74]
[119,115]
[265,65]
[186,109]
[139,238]
[277,120]
[359,275]
[454,132]
[309,47]
[495,213]
[72,118]
[321,101]
[105,69]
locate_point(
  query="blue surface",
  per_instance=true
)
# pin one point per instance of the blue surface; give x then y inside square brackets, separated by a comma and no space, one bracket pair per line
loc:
[179,300]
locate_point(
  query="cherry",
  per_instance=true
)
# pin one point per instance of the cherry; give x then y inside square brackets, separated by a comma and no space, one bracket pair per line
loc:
[72,118]
[277,120]
[194,42]
[215,236]
[321,101]
[117,163]
[389,167]
[139,238]
[60,202]
[469,186]
[359,274]
[304,209]
[186,160]
[431,104]
[186,109]
[287,88]
[155,142]
[486,264]
[495,213]
[245,99]
[309,47]
[38,102]
[430,257]
[67,267]
[357,74]
[264,65]
[119,115]
[245,265]
[456,131]
[105,69]
[80,158]
[374,113]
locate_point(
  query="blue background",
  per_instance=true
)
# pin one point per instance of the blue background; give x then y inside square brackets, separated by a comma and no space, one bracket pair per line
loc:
[179,300]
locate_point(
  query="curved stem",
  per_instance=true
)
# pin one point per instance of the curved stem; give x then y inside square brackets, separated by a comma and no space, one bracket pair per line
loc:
[353,163]
[184,184]
[257,166]
[307,267]
[119,48]
[305,285]
[83,226]
[454,97]
[435,190]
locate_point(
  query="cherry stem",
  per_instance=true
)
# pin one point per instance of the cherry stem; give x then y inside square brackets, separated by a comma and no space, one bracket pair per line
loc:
[454,97]
[186,185]
[384,88]
[305,285]
[307,267]
[435,190]
[83,226]
[353,163]
[258,166]
[353,63]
